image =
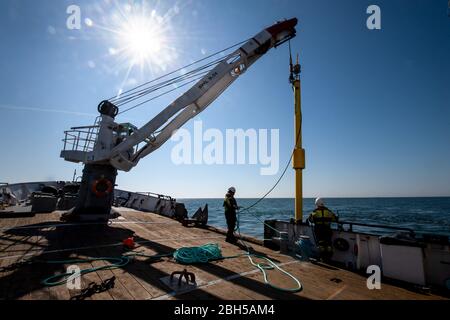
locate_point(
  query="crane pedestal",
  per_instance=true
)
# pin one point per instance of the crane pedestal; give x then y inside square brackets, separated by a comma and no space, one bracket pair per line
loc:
[96,194]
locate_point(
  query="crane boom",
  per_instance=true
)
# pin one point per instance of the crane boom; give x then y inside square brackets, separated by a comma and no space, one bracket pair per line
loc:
[200,96]
[109,146]
[124,154]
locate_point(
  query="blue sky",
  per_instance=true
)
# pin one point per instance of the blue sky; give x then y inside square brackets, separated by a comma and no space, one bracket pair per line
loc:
[376,104]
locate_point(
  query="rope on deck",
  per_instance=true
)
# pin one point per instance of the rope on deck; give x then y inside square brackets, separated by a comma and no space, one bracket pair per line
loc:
[270,265]
[185,255]
[103,246]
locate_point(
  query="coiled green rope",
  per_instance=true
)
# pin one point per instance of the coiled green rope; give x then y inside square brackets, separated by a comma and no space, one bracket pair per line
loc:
[211,252]
[185,255]
[116,263]
[202,254]
[270,266]
[267,266]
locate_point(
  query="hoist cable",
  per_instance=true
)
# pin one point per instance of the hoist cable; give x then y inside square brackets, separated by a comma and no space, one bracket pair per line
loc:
[277,182]
[299,132]
[178,70]
[124,98]
[167,83]
[160,95]
[133,98]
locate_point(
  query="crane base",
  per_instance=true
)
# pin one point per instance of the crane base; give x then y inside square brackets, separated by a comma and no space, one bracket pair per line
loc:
[95,196]
[72,216]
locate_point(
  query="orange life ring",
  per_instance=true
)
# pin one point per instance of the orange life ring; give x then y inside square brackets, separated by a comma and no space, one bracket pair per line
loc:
[106,187]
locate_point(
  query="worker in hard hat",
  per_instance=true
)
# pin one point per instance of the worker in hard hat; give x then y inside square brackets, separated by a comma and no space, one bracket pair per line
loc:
[231,207]
[322,217]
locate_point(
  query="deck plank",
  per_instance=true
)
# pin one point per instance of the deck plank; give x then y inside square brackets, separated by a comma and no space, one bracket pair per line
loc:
[226,279]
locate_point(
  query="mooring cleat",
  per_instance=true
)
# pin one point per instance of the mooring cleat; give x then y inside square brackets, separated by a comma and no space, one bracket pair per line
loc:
[189,276]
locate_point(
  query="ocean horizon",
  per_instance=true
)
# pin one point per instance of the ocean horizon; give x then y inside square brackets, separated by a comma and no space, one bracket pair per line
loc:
[371,197]
[424,215]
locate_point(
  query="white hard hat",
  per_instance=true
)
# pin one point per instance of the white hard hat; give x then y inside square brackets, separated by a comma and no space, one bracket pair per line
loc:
[319,202]
[232,189]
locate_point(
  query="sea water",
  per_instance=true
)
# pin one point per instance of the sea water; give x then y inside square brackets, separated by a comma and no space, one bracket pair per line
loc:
[423,215]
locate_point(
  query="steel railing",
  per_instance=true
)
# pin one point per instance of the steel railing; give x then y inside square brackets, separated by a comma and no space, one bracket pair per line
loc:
[81,138]
[369,225]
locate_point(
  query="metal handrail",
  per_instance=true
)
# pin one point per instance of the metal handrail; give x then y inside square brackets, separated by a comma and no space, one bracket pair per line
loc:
[71,142]
[80,140]
[84,127]
[80,131]
[351,224]
[74,142]
[69,139]
[146,193]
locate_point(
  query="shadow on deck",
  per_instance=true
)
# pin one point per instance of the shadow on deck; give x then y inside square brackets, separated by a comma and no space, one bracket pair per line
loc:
[59,243]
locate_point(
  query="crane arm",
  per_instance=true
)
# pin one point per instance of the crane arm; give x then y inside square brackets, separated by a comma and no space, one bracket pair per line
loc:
[200,96]
[124,153]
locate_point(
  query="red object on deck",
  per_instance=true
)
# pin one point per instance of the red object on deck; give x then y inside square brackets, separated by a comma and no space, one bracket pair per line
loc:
[129,243]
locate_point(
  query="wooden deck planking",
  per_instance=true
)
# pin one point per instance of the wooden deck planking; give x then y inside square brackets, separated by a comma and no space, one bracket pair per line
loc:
[225,268]
[178,232]
[226,279]
[22,248]
[133,287]
[7,242]
[154,271]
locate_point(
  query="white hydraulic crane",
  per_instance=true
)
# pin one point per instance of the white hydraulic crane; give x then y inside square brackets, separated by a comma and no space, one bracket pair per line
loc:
[109,146]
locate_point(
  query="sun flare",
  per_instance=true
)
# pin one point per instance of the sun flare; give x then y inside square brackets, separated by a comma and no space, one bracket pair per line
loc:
[141,39]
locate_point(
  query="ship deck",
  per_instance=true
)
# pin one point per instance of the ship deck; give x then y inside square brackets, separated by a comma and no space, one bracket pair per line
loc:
[41,236]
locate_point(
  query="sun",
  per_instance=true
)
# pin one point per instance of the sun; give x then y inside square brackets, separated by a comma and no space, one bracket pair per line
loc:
[144,38]
[141,40]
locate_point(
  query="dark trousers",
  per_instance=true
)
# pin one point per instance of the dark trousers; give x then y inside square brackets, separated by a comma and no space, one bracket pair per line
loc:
[323,235]
[231,224]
